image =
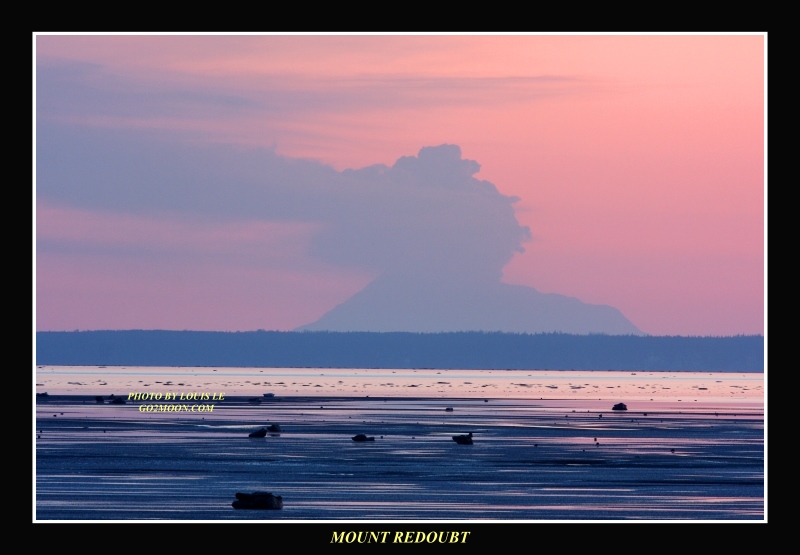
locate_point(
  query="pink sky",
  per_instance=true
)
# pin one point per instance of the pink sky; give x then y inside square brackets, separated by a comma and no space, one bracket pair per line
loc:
[638,161]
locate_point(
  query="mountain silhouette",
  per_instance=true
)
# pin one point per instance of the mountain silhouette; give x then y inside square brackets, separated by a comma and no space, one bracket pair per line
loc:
[439,239]
[394,303]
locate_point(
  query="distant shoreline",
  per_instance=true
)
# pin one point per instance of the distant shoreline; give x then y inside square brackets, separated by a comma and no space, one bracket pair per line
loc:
[122,366]
[442,351]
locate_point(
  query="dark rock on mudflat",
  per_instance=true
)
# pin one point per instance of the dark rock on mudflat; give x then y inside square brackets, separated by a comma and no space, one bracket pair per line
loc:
[257,500]
[449,409]
[620,406]
[362,437]
[463,440]
[258,433]
[274,428]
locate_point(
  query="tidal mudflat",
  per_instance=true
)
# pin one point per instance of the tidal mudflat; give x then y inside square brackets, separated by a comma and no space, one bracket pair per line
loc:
[554,457]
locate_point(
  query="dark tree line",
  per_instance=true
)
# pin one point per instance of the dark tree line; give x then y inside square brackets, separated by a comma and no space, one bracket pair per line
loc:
[467,350]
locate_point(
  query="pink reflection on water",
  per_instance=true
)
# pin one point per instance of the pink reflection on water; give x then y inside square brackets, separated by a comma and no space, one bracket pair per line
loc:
[687,388]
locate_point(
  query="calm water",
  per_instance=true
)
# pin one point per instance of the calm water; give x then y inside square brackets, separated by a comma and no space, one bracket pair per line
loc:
[546,445]
[661,386]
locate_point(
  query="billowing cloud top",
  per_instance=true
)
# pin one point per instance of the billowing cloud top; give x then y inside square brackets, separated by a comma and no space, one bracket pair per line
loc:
[426,216]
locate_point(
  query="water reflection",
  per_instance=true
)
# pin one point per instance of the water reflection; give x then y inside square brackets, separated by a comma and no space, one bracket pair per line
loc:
[551,458]
[688,387]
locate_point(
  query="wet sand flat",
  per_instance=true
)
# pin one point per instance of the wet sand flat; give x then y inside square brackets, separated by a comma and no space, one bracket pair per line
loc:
[533,459]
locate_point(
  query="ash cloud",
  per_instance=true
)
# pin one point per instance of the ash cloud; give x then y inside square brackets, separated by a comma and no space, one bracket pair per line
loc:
[435,235]
[424,215]
[427,215]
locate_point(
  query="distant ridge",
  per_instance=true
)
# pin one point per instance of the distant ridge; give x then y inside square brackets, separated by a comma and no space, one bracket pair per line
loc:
[403,304]
[466,350]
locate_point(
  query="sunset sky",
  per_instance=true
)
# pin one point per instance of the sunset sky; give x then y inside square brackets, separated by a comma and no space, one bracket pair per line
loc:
[199,182]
